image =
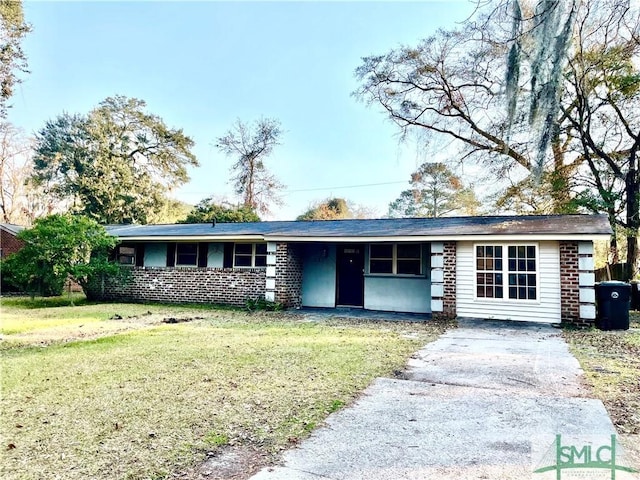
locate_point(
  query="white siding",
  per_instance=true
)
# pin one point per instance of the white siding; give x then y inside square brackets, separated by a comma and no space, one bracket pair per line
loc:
[546,309]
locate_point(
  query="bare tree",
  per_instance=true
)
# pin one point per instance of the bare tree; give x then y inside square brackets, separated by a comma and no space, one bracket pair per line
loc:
[543,91]
[20,201]
[251,144]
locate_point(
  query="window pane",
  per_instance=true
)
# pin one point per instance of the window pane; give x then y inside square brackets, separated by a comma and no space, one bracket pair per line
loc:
[409,267]
[498,263]
[186,254]
[532,293]
[513,279]
[489,292]
[261,248]
[531,265]
[243,261]
[382,251]
[381,266]
[521,251]
[498,252]
[512,252]
[499,292]
[408,250]
[513,292]
[479,251]
[261,260]
[531,280]
[499,279]
[512,265]
[125,259]
[127,251]
[489,264]
[244,248]
[489,251]
[480,264]
[531,251]
[480,292]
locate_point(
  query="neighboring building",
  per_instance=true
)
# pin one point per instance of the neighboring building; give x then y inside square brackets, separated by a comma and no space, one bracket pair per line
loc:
[9,243]
[528,268]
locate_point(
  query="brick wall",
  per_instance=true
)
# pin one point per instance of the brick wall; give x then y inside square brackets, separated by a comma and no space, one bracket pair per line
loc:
[449,299]
[9,243]
[569,283]
[443,279]
[288,285]
[227,286]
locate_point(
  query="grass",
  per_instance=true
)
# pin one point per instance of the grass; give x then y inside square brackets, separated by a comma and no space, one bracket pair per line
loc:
[611,363]
[150,399]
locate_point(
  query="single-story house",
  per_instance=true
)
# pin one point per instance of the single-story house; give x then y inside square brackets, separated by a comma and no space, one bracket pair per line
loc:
[9,243]
[528,268]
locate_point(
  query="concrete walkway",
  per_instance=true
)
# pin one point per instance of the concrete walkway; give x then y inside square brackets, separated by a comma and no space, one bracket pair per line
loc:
[472,405]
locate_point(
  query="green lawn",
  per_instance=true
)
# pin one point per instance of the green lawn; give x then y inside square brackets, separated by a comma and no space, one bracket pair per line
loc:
[143,399]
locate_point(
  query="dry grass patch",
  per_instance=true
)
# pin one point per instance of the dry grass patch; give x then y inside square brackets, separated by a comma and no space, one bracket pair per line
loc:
[611,362]
[149,403]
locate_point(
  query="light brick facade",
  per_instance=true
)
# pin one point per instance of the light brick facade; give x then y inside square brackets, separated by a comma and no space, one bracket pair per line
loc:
[228,286]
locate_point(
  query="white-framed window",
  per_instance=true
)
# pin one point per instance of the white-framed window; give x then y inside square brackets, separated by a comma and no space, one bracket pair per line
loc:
[507,271]
[126,255]
[250,255]
[186,255]
[395,258]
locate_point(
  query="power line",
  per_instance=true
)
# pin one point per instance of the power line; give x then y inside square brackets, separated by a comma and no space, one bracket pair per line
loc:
[317,189]
[343,186]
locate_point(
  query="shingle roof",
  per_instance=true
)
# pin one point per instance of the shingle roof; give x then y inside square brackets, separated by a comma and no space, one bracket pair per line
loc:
[12,228]
[562,225]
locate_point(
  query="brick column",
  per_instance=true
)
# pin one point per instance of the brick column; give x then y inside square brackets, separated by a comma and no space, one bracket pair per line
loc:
[569,283]
[443,279]
[270,281]
[288,275]
[586,283]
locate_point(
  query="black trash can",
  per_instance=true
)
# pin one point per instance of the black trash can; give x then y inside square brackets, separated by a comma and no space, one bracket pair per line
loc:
[613,300]
[635,295]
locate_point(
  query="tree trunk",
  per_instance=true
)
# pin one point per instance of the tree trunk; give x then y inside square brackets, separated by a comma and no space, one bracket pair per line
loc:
[633,216]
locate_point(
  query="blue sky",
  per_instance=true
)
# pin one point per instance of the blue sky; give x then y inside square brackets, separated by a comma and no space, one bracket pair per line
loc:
[202,65]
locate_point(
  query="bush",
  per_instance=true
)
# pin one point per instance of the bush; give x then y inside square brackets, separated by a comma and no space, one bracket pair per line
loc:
[262,305]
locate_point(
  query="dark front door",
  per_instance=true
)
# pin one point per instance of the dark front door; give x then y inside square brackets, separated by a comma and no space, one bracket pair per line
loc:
[350,275]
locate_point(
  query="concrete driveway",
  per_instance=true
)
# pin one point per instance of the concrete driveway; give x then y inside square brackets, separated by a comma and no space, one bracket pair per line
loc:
[471,405]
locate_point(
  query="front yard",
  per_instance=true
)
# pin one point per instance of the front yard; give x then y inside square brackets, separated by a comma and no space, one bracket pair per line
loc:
[111,391]
[611,362]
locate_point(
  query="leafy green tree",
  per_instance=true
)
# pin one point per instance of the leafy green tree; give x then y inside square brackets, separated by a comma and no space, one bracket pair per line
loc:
[207,211]
[115,164]
[250,145]
[329,209]
[549,90]
[435,192]
[59,247]
[13,28]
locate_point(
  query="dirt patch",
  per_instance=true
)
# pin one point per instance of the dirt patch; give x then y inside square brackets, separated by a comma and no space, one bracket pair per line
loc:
[229,463]
[180,319]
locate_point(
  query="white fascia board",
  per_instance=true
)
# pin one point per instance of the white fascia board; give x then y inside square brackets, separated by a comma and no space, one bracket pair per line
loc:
[192,238]
[354,239]
[440,238]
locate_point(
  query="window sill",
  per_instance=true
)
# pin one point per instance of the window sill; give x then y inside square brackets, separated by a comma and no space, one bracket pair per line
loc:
[396,275]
